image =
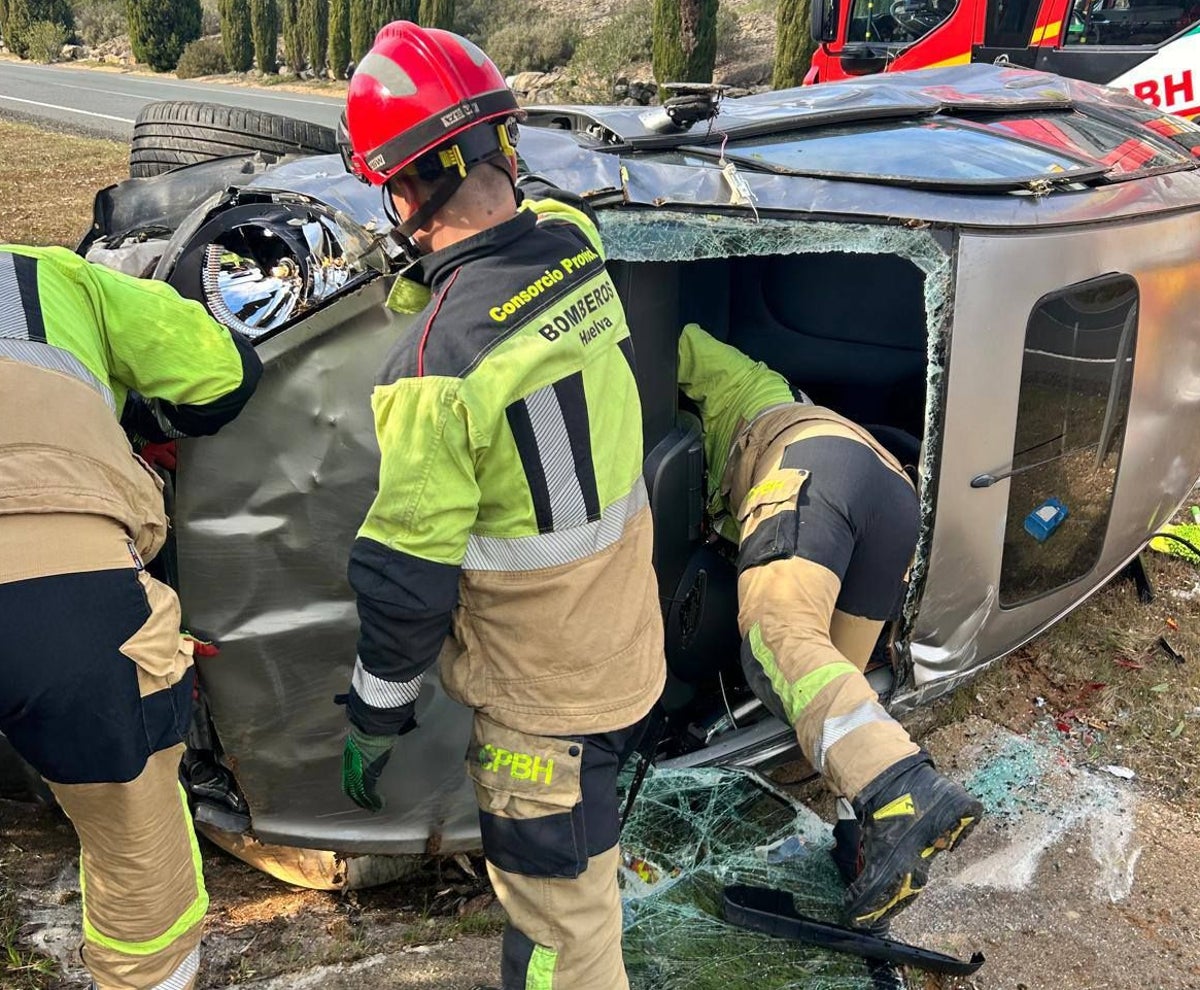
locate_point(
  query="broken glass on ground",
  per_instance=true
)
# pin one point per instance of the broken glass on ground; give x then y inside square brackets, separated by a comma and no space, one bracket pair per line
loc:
[690,834]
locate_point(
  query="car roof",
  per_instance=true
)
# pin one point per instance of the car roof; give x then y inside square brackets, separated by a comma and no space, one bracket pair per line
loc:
[973,145]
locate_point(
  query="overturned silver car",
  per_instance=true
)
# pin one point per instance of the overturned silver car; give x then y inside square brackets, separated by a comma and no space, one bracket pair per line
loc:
[996,271]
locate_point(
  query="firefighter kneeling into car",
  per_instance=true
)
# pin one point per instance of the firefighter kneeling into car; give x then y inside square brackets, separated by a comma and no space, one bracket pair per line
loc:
[95,679]
[510,505]
[826,522]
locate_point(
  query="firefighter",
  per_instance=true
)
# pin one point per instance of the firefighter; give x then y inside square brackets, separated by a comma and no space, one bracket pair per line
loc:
[826,522]
[95,679]
[511,531]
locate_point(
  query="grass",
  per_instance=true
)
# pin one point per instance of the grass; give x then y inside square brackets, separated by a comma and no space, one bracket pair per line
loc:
[47,182]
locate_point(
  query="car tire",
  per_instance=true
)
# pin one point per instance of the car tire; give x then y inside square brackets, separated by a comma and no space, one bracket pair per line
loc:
[175,133]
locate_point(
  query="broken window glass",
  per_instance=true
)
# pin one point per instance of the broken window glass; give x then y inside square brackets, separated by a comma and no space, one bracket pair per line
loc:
[691,833]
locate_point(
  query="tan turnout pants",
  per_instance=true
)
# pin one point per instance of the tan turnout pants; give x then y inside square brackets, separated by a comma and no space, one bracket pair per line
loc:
[827,533]
[550,823]
[95,693]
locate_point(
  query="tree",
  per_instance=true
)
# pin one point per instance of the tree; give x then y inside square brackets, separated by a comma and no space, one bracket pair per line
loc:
[362,28]
[159,30]
[236,37]
[387,11]
[794,45]
[315,14]
[20,16]
[437,14]
[264,25]
[339,37]
[685,40]
[293,35]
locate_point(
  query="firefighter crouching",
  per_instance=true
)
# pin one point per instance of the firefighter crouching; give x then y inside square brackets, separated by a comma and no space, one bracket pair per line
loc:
[826,523]
[95,679]
[511,531]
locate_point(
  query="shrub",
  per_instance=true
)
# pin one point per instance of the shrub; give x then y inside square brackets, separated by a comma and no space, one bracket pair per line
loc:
[624,40]
[44,41]
[236,37]
[532,45]
[23,14]
[204,57]
[98,21]
[339,38]
[159,29]
[264,26]
[314,16]
[685,40]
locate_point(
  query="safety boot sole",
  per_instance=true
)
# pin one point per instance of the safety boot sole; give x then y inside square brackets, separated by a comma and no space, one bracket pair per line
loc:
[907,883]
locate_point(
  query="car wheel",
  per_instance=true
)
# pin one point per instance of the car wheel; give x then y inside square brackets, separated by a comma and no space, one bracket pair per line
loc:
[172,134]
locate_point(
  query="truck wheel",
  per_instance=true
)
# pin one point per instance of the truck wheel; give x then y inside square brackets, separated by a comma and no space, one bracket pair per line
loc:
[170,135]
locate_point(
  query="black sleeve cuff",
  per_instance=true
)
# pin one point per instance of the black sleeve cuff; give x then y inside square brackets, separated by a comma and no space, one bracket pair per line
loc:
[204,420]
[405,606]
[380,721]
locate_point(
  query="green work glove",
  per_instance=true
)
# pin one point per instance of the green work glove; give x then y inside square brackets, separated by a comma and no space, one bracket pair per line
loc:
[363,761]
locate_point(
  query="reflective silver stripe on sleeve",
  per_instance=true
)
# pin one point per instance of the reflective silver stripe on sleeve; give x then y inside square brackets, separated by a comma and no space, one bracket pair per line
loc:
[54,359]
[378,693]
[183,974]
[567,506]
[840,726]
[164,424]
[13,324]
[531,553]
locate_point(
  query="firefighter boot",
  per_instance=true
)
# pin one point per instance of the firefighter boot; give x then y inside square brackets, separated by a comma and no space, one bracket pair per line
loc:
[909,813]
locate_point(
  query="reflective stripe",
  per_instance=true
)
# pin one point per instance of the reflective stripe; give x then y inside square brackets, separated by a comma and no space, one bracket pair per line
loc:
[54,359]
[378,693]
[13,325]
[795,695]
[567,506]
[840,726]
[184,973]
[540,974]
[192,916]
[531,553]
[387,73]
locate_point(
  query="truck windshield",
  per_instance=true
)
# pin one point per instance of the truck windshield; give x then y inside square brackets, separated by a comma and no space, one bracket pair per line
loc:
[897,22]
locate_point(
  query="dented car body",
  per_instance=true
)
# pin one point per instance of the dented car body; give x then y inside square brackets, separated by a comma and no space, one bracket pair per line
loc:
[996,271]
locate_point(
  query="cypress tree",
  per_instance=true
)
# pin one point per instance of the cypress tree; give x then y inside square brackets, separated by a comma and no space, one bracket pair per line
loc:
[236,37]
[339,37]
[315,14]
[685,40]
[159,30]
[437,14]
[264,25]
[387,11]
[362,28]
[293,35]
[4,20]
[794,45]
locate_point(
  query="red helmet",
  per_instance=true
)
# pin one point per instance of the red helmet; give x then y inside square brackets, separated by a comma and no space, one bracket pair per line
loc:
[415,90]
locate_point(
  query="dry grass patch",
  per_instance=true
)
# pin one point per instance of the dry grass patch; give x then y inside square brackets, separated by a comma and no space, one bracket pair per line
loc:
[48,180]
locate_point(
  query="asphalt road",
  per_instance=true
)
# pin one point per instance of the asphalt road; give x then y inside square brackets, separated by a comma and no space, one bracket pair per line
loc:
[105,103]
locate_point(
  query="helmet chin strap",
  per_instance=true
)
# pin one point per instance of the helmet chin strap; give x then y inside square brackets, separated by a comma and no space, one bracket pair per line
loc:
[403,230]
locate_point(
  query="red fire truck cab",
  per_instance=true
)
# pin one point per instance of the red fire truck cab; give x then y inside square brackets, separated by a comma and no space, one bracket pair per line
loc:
[1150,47]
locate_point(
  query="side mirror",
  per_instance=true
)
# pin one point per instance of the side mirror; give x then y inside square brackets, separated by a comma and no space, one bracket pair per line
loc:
[824,20]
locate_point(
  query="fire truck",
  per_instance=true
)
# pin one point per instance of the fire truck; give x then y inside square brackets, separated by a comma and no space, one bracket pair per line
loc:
[1149,47]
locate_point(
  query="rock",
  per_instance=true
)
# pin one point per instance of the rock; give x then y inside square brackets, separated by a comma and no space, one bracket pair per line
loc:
[621,80]
[629,101]
[528,82]
[72,52]
[620,91]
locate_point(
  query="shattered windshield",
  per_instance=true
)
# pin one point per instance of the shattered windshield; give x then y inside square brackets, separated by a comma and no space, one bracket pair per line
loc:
[691,833]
